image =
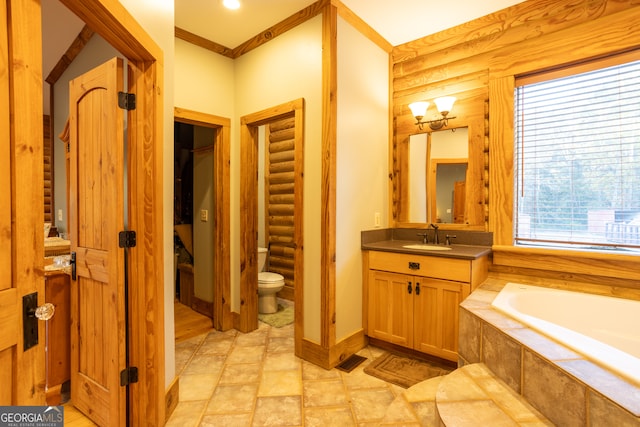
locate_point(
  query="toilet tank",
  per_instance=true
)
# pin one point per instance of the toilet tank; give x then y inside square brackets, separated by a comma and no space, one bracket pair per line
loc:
[262,258]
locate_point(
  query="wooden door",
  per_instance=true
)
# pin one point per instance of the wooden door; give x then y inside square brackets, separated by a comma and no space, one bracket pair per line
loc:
[96,199]
[21,200]
[436,317]
[459,201]
[391,307]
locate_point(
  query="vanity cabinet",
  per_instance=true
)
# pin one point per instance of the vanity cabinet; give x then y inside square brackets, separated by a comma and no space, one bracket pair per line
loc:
[412,300]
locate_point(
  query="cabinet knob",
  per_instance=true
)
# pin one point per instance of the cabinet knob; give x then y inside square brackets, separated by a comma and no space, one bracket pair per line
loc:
[417,288]
[409,288]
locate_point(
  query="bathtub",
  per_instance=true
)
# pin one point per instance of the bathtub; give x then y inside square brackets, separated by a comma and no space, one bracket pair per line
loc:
[603,329]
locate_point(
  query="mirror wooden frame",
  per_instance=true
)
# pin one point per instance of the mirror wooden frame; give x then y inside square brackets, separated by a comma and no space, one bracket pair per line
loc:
[472,113]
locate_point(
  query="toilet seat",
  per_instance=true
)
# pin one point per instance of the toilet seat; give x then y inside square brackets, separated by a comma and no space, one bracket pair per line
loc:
[267,279]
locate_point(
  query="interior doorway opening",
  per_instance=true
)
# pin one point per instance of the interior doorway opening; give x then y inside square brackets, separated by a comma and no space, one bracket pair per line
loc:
[286,228]
[202,196]
[193,216]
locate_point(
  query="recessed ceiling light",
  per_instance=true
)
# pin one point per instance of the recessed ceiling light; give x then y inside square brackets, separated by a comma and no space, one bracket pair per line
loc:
[231,4]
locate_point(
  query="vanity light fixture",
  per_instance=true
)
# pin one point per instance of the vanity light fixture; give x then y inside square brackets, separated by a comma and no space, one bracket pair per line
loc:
[231,4]
[443,104]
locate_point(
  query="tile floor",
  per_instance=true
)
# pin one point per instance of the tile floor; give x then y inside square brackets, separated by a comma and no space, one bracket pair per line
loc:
[234,379]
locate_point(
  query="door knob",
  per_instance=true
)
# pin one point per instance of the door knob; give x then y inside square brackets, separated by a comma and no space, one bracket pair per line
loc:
[31,313]
[44,312]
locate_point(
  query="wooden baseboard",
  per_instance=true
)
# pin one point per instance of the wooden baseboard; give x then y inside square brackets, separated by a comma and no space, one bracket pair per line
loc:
[172,397]
[328,358]
[203,307]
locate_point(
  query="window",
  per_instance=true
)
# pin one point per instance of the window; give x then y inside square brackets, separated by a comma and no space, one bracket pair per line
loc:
[578,158]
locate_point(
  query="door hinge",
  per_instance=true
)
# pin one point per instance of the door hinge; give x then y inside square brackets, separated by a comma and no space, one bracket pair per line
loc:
[127,239]
[127,101]
[128,376]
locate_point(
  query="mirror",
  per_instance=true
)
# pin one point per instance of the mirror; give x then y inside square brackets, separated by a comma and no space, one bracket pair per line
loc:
[437,164]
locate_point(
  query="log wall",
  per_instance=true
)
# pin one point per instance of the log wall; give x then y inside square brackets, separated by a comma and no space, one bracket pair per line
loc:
[478,62]
[279,200]
[48,170]
[461,61]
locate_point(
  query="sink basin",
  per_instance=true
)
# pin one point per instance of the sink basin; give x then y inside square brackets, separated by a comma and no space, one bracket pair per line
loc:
[423,247]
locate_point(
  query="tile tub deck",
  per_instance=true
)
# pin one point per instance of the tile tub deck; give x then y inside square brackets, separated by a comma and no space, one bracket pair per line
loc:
[564,386]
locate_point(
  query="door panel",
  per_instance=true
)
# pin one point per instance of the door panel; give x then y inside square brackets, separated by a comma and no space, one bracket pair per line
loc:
[21,199]
[436,310]
[390,307]
[98,346]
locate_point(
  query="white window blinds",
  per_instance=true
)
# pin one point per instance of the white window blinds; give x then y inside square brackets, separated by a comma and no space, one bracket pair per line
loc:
[578,159]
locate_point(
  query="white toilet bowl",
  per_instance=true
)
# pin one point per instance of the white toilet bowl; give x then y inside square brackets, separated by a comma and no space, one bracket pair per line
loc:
[269,284]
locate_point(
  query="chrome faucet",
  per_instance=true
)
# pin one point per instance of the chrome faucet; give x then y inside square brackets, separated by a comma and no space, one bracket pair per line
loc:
[425,237]
[436,241]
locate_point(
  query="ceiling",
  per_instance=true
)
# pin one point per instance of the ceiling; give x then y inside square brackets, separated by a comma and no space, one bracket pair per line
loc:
[398,21]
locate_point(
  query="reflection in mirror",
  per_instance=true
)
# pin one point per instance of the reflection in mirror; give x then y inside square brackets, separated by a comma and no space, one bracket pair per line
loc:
[436,162]
[418,160]
[450,192]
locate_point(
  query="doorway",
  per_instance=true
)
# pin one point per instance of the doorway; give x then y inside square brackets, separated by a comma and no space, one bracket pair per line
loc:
[193,221]
[215,130]
[276,199]
[292,113]
[144,177]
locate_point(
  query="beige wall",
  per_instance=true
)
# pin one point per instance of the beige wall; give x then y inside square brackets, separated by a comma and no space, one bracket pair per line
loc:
[157,17]
[204,81]
[203,240]
[287,68]
[362,164]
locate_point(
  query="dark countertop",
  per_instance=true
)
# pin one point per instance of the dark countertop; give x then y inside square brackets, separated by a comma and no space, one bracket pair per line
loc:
[457,251]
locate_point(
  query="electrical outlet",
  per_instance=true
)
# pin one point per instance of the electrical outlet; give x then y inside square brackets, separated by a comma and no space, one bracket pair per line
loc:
[376,219]
[59,214]
[204,215]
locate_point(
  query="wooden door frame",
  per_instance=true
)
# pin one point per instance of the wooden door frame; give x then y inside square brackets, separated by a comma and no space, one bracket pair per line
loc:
[222,318]
[22,258]
[248,317]
[115,25]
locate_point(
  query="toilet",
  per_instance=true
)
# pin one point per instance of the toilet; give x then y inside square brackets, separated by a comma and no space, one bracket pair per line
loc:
[269,284]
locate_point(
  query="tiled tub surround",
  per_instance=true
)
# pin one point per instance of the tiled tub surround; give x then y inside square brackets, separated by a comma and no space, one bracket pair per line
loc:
[567,388]
[602,328]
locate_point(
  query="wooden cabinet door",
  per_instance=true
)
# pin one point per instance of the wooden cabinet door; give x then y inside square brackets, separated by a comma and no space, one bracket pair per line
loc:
[391,307]
[436,317]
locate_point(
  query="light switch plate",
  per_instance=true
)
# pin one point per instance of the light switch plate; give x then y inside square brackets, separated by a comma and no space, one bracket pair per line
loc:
[204,215]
